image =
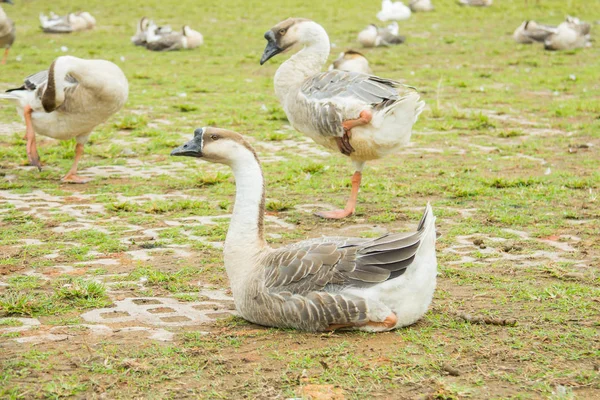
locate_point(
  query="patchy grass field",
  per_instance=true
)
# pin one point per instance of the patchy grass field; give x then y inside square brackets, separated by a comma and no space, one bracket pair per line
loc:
[116,289]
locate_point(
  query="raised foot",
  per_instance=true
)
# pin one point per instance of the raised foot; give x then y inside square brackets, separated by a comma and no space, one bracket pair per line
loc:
[336,214]
[72,178]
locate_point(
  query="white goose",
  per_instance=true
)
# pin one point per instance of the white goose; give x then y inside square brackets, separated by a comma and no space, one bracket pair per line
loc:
[7,32]
[72,22]
[68,101]
[318,284]
[147,27]
[420,5]
[351,61]
[395,11]
[570,34]
[363,116]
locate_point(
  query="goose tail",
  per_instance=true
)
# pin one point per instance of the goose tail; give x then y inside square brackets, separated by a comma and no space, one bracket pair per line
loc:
[10,96]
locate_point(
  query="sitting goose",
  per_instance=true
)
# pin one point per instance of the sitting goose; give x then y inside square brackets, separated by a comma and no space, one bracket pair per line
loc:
[420,5]
[395,11]
[68,101]
[72,22]
[318,284]
[7,32]
[531,32]
[372,36]
[186,39]
[570,34]
[144,27]
[351,61]
[475,3]
[363,116]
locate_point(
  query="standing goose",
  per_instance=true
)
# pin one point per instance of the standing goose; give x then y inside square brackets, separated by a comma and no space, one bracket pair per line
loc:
[68,101]
[363,116]
[7,32]
[318,284]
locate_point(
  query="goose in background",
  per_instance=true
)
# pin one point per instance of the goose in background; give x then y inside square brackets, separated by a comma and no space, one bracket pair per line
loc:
[531,32]
[475,3]
[68,101]
[187,38]
[362,116]
[8,32]
[372,36]
[320,284]
[72,22]
[395,11]
[144,26]
[420,5]
[570,34]
[351,61]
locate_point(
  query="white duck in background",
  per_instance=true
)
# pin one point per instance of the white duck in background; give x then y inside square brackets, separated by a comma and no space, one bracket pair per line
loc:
[420,5]
[372,36]
[8,32]
[570,34]
[318,284]
[364,117]
[351,61]
[68,101]
[187,38]
[395,11]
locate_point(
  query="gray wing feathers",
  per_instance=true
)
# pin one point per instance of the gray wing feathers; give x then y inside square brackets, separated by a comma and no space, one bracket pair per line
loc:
[320,92]
[165,43]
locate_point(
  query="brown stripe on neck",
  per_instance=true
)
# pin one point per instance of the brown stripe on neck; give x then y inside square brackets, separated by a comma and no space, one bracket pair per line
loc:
[49,95]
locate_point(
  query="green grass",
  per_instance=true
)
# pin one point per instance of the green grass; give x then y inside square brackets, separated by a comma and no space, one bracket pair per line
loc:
[507,151]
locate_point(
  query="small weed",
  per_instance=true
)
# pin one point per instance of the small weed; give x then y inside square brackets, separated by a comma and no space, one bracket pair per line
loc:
[132,122]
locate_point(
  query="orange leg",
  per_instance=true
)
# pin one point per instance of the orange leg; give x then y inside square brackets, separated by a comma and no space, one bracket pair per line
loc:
[5,55]
[350,205]
[32,154]
[344,141]
[388,323]
[72,176]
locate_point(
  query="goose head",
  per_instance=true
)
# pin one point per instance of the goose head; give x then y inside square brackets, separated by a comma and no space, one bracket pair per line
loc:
[215,145]
[289,33]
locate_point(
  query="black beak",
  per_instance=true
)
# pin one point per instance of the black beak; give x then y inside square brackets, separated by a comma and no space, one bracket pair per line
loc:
[193,148]
[272,49]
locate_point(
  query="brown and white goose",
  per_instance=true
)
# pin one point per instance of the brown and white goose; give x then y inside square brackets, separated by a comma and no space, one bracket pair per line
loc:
[7,32]
[68,101]
[363,116]
[351,61]
[318,284]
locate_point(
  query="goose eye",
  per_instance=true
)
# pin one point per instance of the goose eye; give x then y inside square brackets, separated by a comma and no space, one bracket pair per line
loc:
[214,137]
[282,32]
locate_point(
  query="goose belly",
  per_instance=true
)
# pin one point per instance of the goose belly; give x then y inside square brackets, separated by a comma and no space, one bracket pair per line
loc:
[63,126]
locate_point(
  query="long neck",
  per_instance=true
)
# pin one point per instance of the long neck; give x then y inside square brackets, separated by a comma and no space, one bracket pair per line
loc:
[245,236]
[3,16]
[305,63]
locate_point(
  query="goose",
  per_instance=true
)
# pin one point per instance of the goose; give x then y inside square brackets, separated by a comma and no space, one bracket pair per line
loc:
[186,39]
[72,22]
[7,32]
[420,5]
[68,101]
[475,3]
[351,61]
[372,36]
[570,34]
[530,32]
[139,39]
[395,11]
[364,117]
[318,284]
